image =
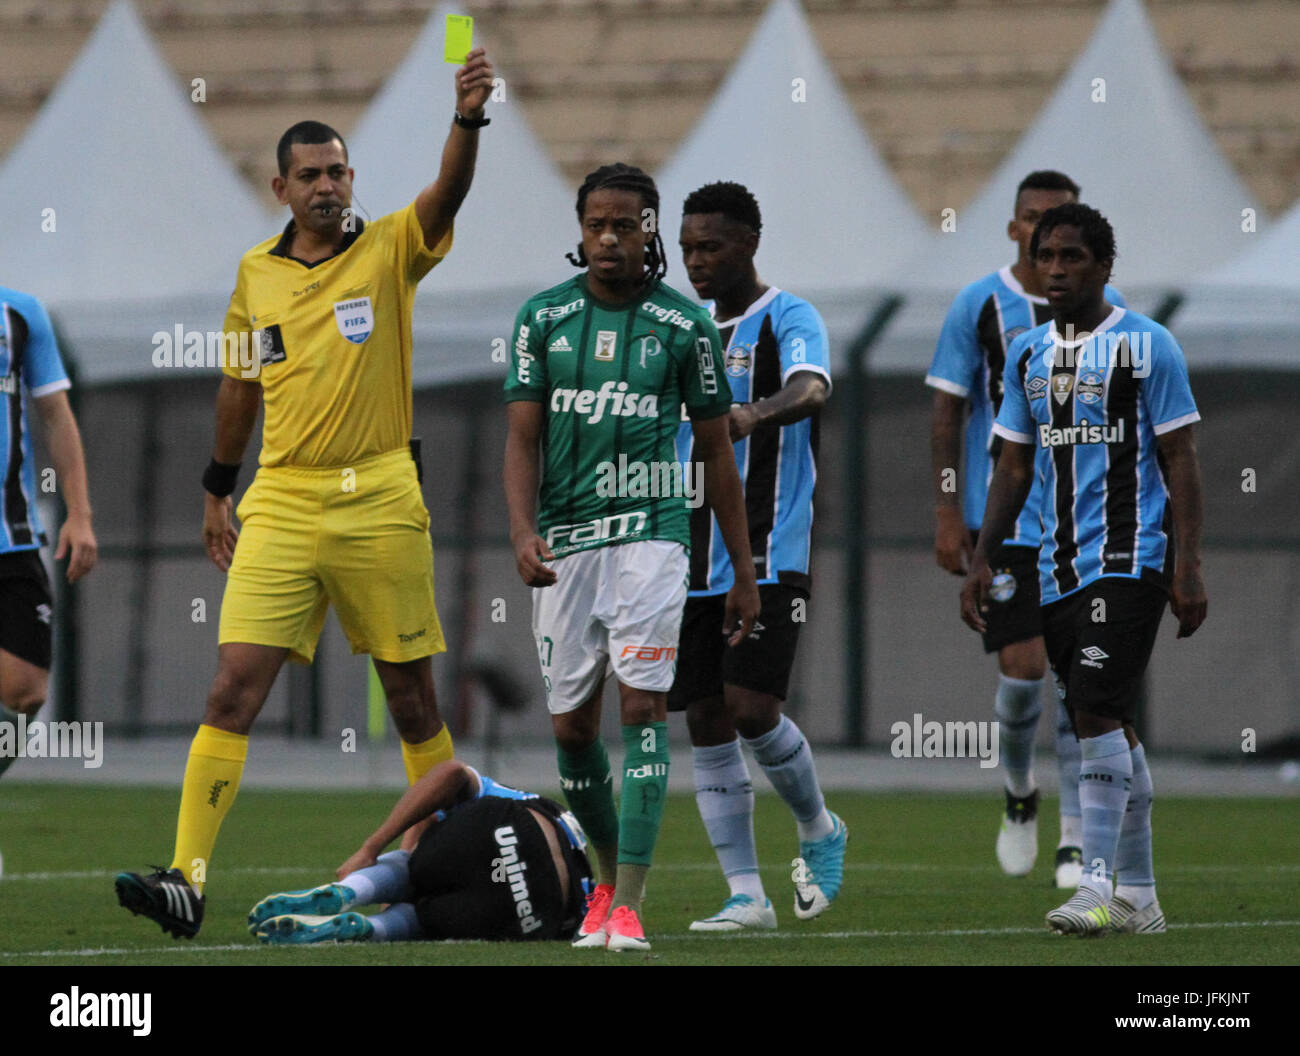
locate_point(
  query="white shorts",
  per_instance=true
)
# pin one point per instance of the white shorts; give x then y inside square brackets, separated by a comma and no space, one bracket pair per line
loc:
[615,606]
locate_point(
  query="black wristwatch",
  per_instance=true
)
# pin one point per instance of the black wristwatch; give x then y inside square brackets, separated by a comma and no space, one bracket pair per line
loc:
[471,122]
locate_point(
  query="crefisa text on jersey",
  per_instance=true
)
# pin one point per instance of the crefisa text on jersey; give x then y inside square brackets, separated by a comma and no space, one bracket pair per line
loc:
[1085,350]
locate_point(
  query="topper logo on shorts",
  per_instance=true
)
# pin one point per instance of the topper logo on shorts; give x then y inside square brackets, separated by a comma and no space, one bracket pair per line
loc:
[614,526]
[668,315]
[508,869]
[623,403]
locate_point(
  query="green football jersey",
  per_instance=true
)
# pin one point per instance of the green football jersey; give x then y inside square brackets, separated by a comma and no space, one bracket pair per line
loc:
[614,382]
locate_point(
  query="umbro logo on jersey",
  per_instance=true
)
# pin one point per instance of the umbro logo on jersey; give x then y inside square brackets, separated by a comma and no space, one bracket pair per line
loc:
[560,344]
[1093,656]
[1037,388]
[754,632]
[43,613]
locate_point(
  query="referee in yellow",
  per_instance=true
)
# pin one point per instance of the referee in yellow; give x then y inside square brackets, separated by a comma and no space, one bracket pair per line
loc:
[335,513]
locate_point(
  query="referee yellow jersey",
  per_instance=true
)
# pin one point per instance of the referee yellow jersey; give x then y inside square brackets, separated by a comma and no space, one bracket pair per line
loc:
[335,513]
[334,340]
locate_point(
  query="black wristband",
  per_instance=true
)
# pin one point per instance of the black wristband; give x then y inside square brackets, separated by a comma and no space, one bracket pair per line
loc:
[219,478]
[471,122]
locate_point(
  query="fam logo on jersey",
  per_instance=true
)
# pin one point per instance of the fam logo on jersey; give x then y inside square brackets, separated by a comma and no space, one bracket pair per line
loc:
[1061,386]
[740,358]
[1091,388]
[355,319]
[1037,388]
[558,311]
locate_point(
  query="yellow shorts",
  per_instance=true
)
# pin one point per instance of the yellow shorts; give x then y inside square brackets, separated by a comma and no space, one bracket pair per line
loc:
[357,536]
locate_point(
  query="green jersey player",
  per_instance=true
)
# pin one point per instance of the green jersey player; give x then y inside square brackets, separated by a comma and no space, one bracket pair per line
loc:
[601,369]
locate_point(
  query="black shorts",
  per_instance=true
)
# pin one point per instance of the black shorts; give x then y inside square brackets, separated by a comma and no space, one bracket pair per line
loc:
[1099,640]
[1014,613]
[761,662]
[486,872]
[25,607]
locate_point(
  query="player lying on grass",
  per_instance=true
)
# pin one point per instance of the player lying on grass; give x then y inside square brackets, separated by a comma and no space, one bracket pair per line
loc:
[491,863]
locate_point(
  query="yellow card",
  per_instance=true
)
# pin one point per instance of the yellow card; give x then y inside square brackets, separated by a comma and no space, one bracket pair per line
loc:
[459,39]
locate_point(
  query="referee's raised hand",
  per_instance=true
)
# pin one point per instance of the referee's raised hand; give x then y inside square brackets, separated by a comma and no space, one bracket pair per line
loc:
[219,534]
[474,84]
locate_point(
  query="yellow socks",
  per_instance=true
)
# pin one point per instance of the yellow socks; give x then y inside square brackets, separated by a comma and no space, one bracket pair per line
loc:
[420,758]
[212,774]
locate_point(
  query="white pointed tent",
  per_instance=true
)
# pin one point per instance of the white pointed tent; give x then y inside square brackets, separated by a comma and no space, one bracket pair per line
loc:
[149,218]
[835,222]
[1142,156]
[1246,313]
[511,232]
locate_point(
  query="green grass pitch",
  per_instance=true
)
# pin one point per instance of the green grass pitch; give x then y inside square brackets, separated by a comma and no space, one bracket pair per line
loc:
[921,885]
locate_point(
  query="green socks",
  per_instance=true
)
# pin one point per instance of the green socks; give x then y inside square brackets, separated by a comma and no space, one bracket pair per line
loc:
[589,790]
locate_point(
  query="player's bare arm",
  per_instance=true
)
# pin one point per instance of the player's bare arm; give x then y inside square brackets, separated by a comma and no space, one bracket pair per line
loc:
[952,547]
[1187,598]
[437,204]
[237,404]
[723,493]
[522,473]
[799,398]
[76,537]
[1007,491]
[442,787]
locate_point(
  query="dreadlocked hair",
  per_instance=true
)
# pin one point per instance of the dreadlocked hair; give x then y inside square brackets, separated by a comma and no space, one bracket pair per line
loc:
[620,177]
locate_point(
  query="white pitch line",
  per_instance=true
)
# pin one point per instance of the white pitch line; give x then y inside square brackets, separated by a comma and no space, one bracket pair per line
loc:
[687,937]
[665,867]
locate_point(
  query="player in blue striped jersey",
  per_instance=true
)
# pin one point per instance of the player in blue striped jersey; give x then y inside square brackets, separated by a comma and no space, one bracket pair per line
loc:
[1098,408]
[30,367]
[967,370]
[778,367]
